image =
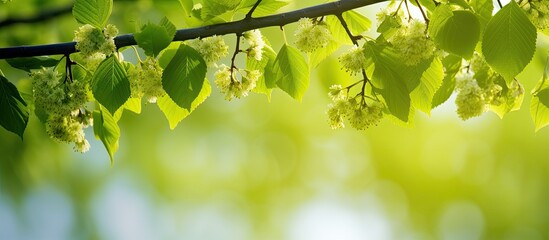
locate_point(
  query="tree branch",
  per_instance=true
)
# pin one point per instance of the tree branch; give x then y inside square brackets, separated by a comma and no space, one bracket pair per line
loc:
[42,16]
[236,27]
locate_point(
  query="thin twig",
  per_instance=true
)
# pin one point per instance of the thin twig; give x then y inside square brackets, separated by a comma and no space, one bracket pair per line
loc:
[353,38]
[408,10]
[249,15]
[236,51]
[422,13]
[499,3]
[240,26]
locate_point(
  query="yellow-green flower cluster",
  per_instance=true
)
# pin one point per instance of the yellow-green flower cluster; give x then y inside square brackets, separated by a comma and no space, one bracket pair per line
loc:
[311,35]
[412,44]
[94,42]
[256,42]
[353,61]
[359,114]
[537,11]
[63,103]
[232,88]
[470,100]
[146,80]
[212,49]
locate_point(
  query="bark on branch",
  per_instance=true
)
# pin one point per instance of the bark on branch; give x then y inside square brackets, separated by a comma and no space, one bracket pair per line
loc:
[236,27]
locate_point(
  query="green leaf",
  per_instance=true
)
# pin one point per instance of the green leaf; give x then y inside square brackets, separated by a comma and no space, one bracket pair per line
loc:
[110,84]
[14,114]
[456,32]
[388,27]
[170,28]
[356,22]
[133,105]
[509,41]
[214,8]
[106,129]
[512,97]
[187,5]
[429,4]
[452,64]
[390,78]
[267,80]
[174,113]
[154,38]
[320,54]
[539,108]
[93,12]
[29,63]
[266,7]
[431,80]
[484,9]
[293,72]
[183,77]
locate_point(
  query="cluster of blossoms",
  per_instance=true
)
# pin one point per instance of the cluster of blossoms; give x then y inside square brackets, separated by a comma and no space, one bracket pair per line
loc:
[353,61]
[212,49]
[95,44]
[63,103]
[311,35]
[256,42]
[470,100]
[475,96]
[537,11]
[227,83]
[412,43]
[146,80]
[359,114]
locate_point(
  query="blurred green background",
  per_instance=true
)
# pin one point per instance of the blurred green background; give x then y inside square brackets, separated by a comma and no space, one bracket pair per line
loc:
[253,169]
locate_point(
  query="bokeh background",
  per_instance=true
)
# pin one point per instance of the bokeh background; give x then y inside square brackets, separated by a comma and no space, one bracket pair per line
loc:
[254,169]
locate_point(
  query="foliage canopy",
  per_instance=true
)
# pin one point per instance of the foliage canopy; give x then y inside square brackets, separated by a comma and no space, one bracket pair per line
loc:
[410,63]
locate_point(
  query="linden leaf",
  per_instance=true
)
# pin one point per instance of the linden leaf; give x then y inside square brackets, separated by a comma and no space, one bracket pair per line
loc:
[15,114]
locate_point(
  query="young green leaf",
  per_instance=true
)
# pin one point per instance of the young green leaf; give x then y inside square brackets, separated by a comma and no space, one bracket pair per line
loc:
[452,64]
[265,7]
[214,8]
[539,108]
[484,9]
[106,129]
[154,38]
[509,41]
[511,97]
[28,63]
[174,113]
[110,84]
[319,55]
[292,71]
[356,22]
[390,78]
[267,80]
[456,32]
[430,82]
[183,77]
[15,114]
[93,12]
